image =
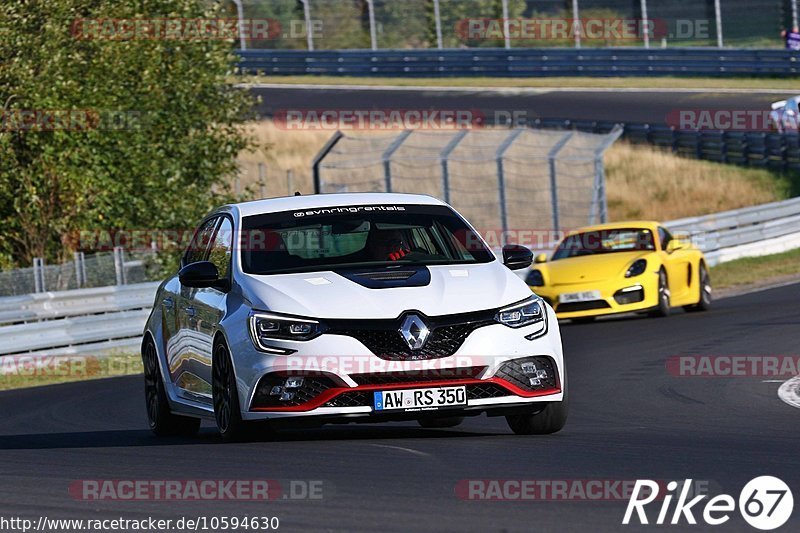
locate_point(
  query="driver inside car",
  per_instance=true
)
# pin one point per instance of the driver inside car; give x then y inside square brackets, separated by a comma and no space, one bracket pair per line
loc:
[386,245]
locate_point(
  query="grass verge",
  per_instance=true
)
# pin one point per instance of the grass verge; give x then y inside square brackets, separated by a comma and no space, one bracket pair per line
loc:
[20,371]
[756,270]
[667,82]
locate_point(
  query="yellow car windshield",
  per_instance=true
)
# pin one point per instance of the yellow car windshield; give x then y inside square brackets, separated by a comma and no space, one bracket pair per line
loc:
[605,241]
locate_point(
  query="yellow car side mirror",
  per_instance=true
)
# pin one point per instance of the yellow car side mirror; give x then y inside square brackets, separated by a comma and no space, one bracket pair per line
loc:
[541,258]
[674,245]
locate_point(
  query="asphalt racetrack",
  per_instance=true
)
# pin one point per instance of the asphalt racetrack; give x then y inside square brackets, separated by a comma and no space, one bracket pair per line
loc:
[630,419]
[647,106]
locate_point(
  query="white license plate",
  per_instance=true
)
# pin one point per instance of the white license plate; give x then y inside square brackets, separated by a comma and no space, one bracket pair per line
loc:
[420,399]
[584,296]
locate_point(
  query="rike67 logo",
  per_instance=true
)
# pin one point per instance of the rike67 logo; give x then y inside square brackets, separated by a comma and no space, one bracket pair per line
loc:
[765,503]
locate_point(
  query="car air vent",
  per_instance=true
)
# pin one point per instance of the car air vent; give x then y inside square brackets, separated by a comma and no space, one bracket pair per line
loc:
[396,275]
[388,277]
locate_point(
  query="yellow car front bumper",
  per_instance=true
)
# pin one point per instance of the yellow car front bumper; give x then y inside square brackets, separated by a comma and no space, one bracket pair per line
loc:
[626,295]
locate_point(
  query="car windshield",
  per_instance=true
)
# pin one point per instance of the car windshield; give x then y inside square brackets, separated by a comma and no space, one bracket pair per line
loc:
[358,236]
[605,242]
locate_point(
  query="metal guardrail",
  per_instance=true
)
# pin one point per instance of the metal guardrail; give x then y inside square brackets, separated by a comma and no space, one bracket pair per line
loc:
[731,234]
[82,321]
[523,62]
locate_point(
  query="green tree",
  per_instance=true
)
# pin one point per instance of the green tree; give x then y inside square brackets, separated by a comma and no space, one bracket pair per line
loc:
[163,133]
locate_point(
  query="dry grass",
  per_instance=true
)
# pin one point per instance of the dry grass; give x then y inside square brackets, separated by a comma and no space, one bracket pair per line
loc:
[642,182]
[653,184]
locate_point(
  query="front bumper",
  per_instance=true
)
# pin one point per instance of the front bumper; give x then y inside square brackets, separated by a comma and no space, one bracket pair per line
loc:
[341,387]
[617,296]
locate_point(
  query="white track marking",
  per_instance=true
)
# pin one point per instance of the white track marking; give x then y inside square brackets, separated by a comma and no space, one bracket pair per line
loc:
[409,450]
[789,392]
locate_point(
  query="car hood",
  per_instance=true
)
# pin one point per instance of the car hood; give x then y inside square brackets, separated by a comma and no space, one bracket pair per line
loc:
[452,289]
[590,268]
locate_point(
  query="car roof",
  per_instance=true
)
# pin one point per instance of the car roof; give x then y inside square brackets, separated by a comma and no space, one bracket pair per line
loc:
[315,201]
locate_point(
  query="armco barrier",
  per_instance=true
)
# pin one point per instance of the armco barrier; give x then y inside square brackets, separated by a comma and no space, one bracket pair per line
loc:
[524,62]
[750,231]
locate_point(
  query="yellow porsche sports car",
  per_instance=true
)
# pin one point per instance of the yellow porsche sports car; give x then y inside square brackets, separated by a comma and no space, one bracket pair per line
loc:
[621,268]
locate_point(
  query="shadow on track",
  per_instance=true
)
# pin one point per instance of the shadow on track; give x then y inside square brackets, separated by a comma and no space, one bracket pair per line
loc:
[143,437]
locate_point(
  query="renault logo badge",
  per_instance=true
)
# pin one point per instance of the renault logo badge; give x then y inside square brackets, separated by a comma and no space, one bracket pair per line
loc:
[414,332]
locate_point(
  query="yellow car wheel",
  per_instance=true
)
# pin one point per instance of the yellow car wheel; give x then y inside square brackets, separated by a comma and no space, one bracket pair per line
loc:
[663,307]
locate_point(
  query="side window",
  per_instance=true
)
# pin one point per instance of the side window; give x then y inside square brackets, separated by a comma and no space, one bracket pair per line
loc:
[220,253]
[202,237]
[664,236]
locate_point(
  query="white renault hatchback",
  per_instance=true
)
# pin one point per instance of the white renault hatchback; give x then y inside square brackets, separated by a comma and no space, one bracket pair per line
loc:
[338,308]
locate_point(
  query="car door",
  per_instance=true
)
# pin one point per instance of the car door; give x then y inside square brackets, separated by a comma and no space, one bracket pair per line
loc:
[204,310]
[181,345]
[677,264]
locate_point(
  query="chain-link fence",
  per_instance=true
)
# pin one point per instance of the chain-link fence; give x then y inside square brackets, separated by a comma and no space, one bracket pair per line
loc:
[119,267]
[502,180]
[404,24]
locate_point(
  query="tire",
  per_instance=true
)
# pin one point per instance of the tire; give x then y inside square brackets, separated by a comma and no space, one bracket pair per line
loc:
[704,299]
[663,307]
[542,421]
[438,423]
[160,419]
[225,395]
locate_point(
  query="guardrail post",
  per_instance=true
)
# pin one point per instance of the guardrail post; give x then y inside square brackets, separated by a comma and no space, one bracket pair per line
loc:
[119,264]
[373,36]
[506,26]
[437,20]
[387,158]
[718,17]
[576,23]
[645,24]
[501,180]
[38,275]
[307,17]
[444,157]
[551,160]
[320,156]
[80,273]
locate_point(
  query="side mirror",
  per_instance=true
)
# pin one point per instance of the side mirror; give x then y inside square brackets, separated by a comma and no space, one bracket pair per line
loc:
[199,275]
[541,258]
[674,245]
[516,257]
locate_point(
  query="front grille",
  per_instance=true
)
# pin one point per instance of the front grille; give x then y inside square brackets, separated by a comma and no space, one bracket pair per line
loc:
[418,376]
[475,391]
[312,387]
[481,391]
[512,372]
[351,399]
[382,337]
[582,306]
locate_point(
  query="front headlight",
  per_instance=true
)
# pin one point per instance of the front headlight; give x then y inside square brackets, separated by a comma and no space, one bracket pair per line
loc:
[265,327]
[535,279]
[636,269]
[525,313]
